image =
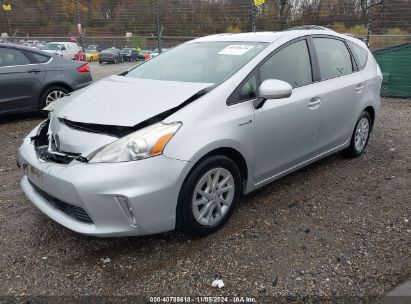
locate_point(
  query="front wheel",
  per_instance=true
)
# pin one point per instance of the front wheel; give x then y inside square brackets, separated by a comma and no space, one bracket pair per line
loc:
[209,196]
[360,136]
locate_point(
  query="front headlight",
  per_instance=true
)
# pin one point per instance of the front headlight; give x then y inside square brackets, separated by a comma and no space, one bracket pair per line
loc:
[147,142]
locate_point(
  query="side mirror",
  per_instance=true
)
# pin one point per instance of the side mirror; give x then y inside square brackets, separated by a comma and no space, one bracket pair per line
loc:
[272,89]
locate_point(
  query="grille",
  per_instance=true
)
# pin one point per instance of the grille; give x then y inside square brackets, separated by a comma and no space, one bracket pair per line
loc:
[74,212]
[42,143]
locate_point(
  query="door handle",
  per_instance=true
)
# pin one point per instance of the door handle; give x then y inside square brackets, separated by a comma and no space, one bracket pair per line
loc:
[314,103]
[359,88]
[34,71]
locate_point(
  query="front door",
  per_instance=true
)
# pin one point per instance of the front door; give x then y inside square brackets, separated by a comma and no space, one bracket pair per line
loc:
[286,130]
[19,80]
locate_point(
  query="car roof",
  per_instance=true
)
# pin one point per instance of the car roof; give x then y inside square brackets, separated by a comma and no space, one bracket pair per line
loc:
[263,36]
[23,47]
[19,46]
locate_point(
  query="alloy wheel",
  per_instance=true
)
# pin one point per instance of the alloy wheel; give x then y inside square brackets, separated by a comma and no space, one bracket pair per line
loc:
[54,95]
[213,196]
[361,134]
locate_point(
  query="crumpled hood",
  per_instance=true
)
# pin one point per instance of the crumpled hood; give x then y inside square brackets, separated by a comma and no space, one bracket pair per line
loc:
[125,101]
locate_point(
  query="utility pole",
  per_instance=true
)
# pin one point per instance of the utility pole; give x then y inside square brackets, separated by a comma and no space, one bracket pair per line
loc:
[253,11]
[159,31]
[370,8]
[79,28]
[7,18]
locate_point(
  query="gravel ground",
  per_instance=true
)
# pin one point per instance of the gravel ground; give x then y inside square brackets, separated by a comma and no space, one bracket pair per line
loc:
[339,228]
[102,70]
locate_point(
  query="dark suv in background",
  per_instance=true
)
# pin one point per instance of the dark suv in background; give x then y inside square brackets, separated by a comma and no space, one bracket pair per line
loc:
[111,55]
[129,54]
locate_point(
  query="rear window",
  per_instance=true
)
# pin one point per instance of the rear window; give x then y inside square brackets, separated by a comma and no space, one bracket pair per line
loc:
[52,47]
[333,57]
[111,51]
[40,58]
[360,54]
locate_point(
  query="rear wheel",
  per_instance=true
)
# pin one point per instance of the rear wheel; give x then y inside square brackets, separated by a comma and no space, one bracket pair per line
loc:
[360,136]
[52,94]
[209,196]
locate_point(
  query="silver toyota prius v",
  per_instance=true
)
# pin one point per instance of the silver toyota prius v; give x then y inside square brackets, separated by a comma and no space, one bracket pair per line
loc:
[173,143]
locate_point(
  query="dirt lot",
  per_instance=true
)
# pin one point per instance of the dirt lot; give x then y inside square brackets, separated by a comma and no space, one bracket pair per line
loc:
[357,212]
[102,70]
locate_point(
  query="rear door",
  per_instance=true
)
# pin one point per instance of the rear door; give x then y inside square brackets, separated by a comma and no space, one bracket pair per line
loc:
[286,130]
[342,88]
[20,80]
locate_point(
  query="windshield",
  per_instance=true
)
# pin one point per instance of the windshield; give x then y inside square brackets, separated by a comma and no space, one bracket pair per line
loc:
[110,51]
[126,50]
[204,62]
[51,47]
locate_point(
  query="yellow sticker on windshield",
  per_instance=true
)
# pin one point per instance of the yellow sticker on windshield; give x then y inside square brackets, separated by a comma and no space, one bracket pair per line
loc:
[236,49]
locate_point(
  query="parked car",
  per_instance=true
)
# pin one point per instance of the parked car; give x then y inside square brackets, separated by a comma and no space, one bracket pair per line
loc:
[129,54]
[31,79]
[94,47]
[33,44]
[111,55]
[155,53]
[67,50]
[92,55]
[174,142]
[141,54]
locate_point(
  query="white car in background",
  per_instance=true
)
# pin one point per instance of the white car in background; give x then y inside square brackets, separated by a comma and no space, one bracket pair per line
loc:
[67,50]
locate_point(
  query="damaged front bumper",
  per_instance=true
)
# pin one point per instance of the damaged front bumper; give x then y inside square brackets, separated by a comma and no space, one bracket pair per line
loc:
[111,199]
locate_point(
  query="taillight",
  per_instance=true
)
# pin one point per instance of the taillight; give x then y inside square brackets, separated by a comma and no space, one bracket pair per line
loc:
[84,68]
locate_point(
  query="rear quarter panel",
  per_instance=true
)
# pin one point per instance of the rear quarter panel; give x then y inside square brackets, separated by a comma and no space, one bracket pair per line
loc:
[373,82]
[65,72]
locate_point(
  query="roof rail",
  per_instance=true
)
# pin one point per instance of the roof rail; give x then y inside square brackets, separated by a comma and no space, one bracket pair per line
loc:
[309,27]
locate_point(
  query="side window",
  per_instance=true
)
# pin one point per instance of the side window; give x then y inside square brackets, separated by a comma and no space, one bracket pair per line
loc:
[10,57]
[63,47]
[291,64]
[333,57]
[246,91]
[40,58]
[360,54]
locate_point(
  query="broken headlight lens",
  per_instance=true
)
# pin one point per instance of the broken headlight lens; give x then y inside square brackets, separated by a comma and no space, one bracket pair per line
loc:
[144,143]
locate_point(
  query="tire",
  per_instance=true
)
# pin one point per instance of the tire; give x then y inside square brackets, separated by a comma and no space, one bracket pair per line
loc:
[189,217]
[360,136]
[100,62]
[45,100]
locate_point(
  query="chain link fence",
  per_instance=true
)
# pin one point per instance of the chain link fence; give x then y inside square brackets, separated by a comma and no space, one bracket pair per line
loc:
[150,24]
